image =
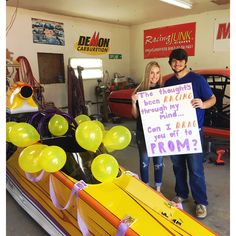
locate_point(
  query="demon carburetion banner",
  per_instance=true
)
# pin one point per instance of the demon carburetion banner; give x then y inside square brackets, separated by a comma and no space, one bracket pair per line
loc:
[169,121]
[160,42]
[93,45]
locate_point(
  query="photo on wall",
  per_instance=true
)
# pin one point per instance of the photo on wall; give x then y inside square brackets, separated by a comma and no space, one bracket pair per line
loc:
[48,32]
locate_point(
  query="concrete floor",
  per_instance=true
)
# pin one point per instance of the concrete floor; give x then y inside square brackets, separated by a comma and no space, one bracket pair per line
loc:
[217,180]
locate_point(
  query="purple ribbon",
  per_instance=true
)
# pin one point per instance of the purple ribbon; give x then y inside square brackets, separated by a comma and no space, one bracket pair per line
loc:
[46,114]
[77,186]
[35,116]
[34,179]
[123,227]
[127,172]
[41,123]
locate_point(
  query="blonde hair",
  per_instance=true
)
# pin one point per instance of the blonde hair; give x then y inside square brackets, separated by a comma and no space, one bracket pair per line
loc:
[144,85]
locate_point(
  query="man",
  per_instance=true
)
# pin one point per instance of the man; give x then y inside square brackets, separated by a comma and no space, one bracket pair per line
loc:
[203,99]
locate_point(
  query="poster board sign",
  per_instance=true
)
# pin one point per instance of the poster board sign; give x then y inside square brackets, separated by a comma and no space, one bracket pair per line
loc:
[169,121]
[159,42]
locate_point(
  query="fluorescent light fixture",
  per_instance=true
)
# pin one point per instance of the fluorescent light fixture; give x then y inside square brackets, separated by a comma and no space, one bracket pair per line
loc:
[179,3]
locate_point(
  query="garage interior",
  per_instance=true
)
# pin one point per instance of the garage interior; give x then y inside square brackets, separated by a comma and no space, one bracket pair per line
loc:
[130,20]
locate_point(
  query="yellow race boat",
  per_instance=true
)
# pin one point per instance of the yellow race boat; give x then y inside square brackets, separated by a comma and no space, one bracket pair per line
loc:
[102,207]
[72,202]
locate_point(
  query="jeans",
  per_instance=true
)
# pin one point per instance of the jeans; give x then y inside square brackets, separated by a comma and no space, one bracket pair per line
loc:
[145,160]
[194,163]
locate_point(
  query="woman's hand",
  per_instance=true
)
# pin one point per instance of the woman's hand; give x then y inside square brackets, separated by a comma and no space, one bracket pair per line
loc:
[134,98]
[134,110]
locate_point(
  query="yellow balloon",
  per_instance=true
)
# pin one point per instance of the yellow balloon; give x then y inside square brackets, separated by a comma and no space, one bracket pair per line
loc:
[89,135]
[117,138]
[9,126]
[81,118]
[29,160]
[52,158]
[58,125]
[23,134]
[100,124]
[104,167]
[109,149]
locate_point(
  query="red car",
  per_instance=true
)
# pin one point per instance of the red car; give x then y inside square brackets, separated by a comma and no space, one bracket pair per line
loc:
[217,118]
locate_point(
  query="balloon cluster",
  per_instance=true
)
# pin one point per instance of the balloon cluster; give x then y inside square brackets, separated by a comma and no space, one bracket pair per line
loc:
[39,157]
[35,156]
[89,134]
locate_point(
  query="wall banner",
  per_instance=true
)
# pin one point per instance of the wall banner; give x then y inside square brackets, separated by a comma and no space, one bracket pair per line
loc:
[221,35]
[169,121]
[159,42]
[48,32]
[92,45]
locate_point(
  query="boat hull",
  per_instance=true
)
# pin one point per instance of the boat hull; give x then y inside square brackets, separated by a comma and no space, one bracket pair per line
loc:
[101,206]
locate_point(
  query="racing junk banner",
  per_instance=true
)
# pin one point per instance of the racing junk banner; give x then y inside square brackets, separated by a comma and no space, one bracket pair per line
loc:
[160,42]
[169,121]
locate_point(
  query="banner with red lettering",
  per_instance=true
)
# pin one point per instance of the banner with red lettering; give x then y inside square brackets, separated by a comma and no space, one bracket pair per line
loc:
[222,35]
[159,42]
[169,121]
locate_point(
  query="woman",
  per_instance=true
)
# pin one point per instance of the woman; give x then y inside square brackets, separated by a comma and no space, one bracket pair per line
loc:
[152,80]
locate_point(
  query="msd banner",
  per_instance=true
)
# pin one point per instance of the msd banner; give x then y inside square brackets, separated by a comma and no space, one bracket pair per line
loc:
[159,42]
[222,35]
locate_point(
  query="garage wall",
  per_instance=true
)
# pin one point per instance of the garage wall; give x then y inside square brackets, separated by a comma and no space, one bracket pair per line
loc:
[20,41]
[205,57]
[127,41]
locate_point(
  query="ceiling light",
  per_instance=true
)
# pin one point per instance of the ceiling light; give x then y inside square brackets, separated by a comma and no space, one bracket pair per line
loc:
[179,3]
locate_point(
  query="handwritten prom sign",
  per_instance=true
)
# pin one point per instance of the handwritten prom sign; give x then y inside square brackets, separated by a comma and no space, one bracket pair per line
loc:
[169,121]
